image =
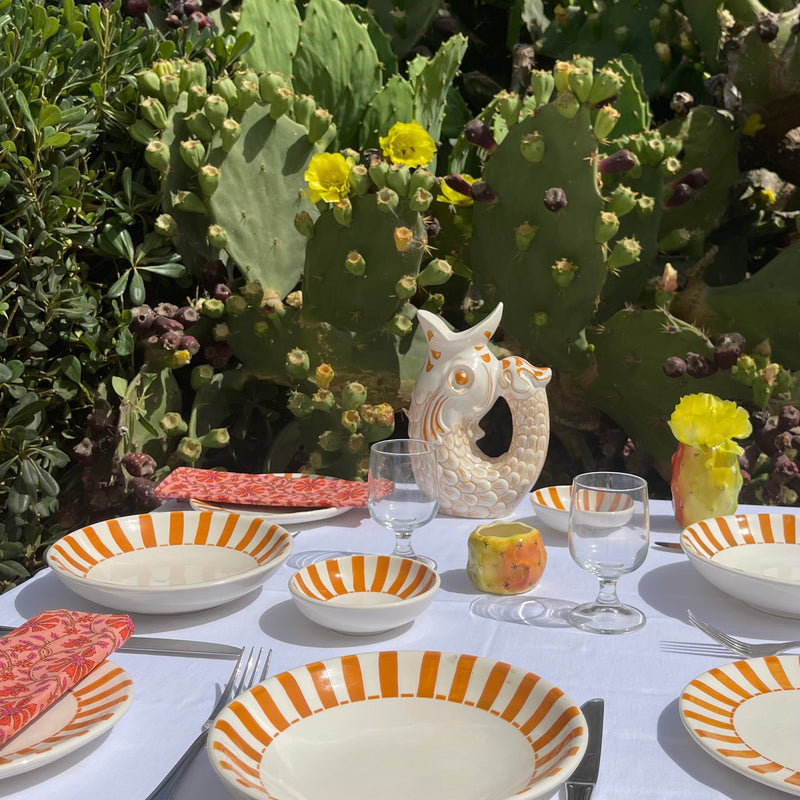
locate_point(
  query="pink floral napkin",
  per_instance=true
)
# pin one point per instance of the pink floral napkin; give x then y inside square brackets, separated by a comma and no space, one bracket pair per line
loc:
[44,658]
[276,489]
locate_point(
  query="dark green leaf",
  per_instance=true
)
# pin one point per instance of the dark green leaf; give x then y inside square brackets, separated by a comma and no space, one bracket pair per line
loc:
[169,270]
[136,290]
[58,139]
[118,287]
[30,475]
[49,115]
[47,482]
[125,343]
[71,367]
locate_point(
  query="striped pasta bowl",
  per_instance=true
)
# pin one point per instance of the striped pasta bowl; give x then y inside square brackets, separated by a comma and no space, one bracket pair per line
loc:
[364,594]
[169,562]
[752,557]
[413,724]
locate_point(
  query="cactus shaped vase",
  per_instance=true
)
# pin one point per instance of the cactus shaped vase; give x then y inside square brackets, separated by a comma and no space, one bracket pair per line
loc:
[461,382]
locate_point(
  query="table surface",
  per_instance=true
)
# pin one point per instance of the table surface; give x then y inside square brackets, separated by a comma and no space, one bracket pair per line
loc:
[647,753]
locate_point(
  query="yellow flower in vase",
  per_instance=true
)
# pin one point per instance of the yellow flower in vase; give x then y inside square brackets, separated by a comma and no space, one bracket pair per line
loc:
[706,478]
[408,143]
[328,177]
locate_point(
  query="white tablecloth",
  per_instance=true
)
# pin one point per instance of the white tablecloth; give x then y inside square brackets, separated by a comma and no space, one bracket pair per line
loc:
[646,751]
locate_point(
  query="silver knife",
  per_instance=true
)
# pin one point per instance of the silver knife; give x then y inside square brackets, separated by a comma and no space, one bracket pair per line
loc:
[582,782]
[175,647]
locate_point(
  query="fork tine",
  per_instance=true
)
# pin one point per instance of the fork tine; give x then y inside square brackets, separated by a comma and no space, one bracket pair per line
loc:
[736,645]
[265,671]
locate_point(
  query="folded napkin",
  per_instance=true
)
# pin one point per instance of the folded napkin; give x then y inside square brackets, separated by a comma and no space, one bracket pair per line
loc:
[44,658]
[285,489]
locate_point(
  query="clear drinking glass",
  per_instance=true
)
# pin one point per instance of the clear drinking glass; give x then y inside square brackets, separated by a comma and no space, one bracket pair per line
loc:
[609,531]
[403,490]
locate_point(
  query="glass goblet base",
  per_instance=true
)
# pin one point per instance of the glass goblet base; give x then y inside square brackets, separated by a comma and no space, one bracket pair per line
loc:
[428,562]
[602,618]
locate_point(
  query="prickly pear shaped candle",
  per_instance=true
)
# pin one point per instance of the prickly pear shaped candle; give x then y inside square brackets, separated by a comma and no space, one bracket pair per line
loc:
[505,557]
[706,478]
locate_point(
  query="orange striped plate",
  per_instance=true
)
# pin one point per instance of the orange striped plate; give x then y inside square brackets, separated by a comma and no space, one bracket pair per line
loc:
[377,726]
[746,714]
[171,561]
[91,708]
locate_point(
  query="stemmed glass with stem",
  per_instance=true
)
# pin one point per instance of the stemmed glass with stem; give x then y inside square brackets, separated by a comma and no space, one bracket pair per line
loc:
[609,531]
[403,490]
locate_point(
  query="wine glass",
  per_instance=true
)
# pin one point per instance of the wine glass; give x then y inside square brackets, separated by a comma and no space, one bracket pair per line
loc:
[609,531]
[403,490]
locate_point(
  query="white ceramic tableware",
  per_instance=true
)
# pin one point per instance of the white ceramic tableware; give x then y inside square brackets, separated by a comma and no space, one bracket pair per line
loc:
[746,714]
[169,562]
[280,516]
[363,594]
[88,710]
[383,725]
[752,557]
[551,505]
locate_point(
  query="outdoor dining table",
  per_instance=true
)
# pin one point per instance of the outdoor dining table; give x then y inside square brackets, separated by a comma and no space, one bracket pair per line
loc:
[646,752]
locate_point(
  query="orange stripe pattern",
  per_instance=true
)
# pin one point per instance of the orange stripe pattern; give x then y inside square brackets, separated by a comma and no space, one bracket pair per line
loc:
[708,707]
[710,536]
[550,722]
[553,497]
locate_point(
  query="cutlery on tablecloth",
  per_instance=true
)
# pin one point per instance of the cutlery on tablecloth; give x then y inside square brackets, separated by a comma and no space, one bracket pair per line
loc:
[173,647]
[582,782]
[743,649]
[676,546]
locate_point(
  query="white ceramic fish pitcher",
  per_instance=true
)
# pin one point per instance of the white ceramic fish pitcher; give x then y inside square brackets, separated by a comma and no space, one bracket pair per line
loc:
[459,384]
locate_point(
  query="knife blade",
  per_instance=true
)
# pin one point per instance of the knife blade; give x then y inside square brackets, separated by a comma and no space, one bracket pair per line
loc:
[582,781]
[174,647]
[669,545]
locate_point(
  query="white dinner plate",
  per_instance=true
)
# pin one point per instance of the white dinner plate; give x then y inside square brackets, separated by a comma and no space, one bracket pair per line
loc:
[413,724]
[88,710]
[746,714]
[280,516]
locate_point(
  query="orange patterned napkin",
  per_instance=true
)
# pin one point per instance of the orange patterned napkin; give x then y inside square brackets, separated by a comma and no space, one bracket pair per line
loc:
[284,489]
[45,657]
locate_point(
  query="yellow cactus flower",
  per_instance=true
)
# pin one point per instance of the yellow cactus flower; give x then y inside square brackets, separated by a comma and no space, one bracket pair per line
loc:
[455,197]
[328,177]
[752,125]
[408,143]
[704,421]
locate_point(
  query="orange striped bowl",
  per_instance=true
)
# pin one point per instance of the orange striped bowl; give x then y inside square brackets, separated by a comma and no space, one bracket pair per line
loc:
[364,594]
[383,725]
[551,505]
[752,557]
[169,562]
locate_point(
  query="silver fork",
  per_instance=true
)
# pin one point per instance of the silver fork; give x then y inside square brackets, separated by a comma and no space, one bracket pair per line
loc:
[245,675]
[745,649]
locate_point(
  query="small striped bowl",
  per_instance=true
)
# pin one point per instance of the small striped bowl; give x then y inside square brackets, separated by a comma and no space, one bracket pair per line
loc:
[363,594]
[169,562]
[551,505]
[752,557]
[412,724]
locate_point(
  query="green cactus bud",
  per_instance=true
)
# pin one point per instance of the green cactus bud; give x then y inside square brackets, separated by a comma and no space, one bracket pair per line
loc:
[268,85]
[398,178]
[170,88]
[202,376]
[580,79]
[248,95]
[540,318]
[141,131]
[356,443]
[188,202]
[509,106]
[359,180]
[231,130]
[532,147]
[399,325]
[282,103]
[622,200]
[387,200]
[606,226]
[192,73]
[350,420]
[217,236]
[561,71]
[304,107]
[261,328]
[421,179]
[216,109]
[323,400]
[354,395]
[148,82]
[672,146]
[676,240]
[653,151]
[154,112]
[330,441]
[300,405]
[378,174]
[156,154]
[523,236]
[304,224]
[216,437]
[196,98]
[173,424]
[208,178]
[199,126]
[563,272]
[212,308]
[625,252]
[605,121]
[420,201]
[164,67]
[343,211]
[669,167]
[403,238]
[298,364]
[253,293]
[567,105]
[542,85]
[324,375]
[193,153]
[236,306]
[165,225]
[745,370]
[645,205]
[605,85]
[226,88]
[437,272]
[354,263]
[406,287]
[434,303]
[189,449]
